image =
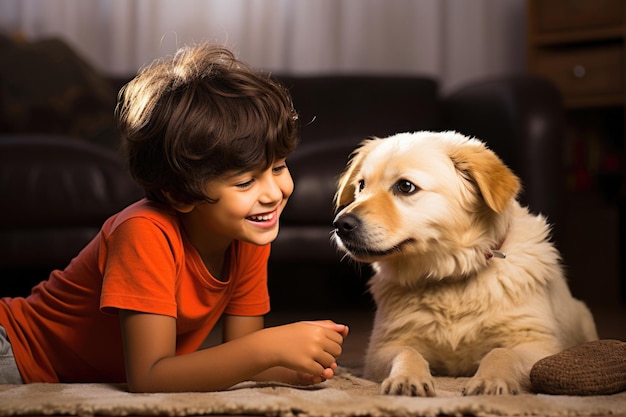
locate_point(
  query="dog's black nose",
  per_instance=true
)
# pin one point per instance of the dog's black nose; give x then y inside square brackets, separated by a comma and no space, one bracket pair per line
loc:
[346,224]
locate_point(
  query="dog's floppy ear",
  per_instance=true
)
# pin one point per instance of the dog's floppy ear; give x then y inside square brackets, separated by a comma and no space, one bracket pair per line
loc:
[345,185]
[496,182]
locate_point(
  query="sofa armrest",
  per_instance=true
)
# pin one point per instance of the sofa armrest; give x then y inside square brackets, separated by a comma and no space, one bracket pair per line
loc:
[56,193]
[521,118]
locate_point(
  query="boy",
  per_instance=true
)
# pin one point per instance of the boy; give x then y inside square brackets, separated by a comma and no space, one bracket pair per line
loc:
[206,137]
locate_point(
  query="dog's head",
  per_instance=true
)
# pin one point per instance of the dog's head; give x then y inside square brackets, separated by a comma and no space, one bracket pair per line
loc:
[436,200]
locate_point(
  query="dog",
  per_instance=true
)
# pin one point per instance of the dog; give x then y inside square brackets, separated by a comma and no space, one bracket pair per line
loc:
[466,281]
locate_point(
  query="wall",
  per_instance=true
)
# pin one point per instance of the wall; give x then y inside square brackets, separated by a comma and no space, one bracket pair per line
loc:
[454,40]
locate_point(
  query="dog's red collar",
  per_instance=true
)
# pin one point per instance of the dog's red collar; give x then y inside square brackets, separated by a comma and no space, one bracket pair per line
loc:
[496,253]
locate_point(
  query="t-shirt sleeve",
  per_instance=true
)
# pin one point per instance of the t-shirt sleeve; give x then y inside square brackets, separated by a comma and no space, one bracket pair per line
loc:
[251,296]
[138,265]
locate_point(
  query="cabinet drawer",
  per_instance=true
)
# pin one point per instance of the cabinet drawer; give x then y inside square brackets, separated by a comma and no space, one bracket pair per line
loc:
[558,15]
[582,71]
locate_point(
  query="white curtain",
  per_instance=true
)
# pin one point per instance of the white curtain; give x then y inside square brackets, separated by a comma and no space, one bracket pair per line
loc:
[452,40]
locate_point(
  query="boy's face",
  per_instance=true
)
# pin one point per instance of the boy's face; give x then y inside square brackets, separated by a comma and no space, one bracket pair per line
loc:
[248,208]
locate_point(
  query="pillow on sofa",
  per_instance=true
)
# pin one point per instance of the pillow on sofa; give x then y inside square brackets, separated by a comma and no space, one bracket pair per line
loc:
[46,87]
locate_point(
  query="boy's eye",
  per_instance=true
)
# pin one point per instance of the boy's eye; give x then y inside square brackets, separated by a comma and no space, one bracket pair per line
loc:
[279,168]
[245,184]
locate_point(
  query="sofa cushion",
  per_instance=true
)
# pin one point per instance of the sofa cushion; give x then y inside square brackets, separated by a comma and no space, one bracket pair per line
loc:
[315,169]
[340,107]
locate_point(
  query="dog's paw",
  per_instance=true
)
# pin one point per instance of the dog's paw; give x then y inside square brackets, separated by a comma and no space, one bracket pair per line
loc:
[408,385]
[491,386]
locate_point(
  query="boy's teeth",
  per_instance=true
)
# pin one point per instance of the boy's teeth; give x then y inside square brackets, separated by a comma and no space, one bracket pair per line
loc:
[264,217]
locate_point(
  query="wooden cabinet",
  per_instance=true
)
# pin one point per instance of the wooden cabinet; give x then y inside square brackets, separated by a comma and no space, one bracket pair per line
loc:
[580,46]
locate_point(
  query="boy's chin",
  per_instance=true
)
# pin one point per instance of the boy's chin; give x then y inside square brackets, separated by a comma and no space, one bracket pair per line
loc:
[264,238]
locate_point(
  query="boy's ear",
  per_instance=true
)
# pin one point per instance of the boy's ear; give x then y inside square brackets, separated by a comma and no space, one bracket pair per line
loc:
[177,205]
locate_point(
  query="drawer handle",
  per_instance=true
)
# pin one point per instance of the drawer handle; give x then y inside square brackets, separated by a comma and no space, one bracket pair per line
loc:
[579,71]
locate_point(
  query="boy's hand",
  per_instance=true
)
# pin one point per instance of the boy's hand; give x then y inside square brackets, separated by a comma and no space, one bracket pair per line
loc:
[342,329]
[308,379]
[307,347]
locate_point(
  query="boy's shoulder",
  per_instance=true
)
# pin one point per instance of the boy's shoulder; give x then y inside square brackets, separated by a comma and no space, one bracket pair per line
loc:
[158,213]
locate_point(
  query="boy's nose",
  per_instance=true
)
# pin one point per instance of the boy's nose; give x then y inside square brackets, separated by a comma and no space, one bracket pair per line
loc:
[272,190]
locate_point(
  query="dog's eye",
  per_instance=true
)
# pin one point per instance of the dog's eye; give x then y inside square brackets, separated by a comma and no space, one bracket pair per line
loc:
[361,185]
[405,187]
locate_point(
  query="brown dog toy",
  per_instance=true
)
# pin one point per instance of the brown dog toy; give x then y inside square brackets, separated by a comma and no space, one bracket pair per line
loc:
[593,368]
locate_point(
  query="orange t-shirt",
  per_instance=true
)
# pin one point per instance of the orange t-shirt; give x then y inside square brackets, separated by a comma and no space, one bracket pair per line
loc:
[66,330]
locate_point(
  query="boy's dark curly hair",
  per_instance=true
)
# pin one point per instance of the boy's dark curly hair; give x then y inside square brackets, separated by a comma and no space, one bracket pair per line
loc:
[197,116]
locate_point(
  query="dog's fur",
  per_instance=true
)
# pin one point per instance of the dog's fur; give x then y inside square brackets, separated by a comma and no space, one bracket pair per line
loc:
[466,282]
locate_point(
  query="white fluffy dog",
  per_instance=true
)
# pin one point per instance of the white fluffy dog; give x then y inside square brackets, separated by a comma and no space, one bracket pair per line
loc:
[467,282]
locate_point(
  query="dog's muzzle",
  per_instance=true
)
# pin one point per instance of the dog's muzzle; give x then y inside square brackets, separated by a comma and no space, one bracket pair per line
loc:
[346,226]
[350,233]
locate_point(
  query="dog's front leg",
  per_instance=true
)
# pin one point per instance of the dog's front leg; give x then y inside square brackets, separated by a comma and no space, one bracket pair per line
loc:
[409,375]
[505,370]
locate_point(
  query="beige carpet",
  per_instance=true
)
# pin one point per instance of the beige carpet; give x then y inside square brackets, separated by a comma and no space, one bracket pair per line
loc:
[345,395]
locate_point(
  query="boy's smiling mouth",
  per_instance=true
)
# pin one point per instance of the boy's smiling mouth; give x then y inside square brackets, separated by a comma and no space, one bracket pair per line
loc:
[261,217]
[264,218]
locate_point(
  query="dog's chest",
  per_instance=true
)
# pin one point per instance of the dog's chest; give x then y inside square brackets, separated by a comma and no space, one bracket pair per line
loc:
[452,332]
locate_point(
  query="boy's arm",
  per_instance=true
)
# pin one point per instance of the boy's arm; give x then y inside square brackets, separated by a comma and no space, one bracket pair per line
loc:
[152,365]
[234,327]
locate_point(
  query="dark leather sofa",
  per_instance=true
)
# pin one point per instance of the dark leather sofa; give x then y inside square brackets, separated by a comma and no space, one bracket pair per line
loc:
[55,191]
